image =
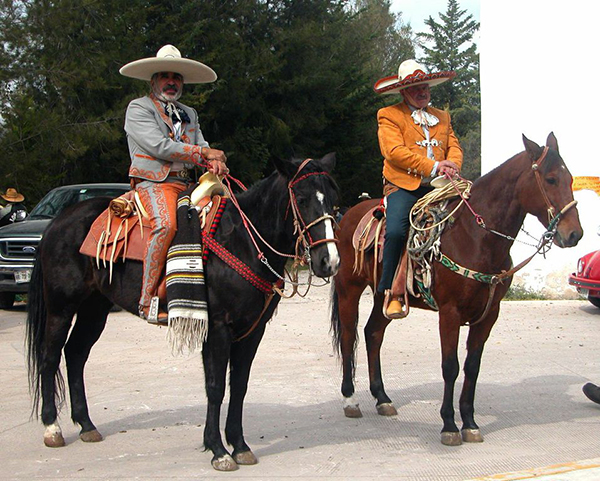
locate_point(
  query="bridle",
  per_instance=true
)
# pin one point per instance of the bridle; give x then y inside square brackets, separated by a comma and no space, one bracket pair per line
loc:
[543,245]
[553,219]
[304,241]
[300,226]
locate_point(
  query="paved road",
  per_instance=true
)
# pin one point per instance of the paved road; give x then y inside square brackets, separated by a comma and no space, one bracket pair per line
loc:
[150,405]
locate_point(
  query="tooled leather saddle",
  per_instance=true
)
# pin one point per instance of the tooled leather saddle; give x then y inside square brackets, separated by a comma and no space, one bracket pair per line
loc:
[369,235]
[122,230]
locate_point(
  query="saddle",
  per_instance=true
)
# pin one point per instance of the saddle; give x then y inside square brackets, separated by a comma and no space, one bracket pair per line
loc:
[369,235]
[122,230]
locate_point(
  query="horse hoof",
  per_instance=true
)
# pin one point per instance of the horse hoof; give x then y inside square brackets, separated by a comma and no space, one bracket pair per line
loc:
[352,411]
[54,440]
[224,463]
[245,458]
[386,409]
[472,436]
[92,436]
[451,438]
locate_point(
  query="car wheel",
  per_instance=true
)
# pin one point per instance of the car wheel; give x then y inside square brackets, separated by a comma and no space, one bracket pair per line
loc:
[594,300]
[7,299]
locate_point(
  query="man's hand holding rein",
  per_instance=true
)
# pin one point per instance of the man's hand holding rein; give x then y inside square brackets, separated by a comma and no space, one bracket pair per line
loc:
[216,160]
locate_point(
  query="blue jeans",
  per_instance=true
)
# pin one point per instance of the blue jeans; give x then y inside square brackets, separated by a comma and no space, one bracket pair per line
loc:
[399,204]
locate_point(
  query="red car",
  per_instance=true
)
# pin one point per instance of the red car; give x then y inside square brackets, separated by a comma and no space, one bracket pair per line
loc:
[587,277]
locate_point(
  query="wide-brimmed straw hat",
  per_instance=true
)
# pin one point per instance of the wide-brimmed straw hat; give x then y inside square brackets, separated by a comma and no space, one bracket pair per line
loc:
[410,73]
[12,195]
[168,59]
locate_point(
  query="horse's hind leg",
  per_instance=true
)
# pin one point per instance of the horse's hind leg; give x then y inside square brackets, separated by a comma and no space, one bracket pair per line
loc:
[91,319]
[215,355]
[374,332]
[478,335]
[52,388]
[242,355]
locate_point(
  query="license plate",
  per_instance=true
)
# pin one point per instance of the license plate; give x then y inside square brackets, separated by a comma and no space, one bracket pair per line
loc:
[23,276]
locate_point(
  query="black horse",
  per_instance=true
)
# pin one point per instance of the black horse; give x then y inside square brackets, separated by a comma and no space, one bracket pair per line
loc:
[297,199]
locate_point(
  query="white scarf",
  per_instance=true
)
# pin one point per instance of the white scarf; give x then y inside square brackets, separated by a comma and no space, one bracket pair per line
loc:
[424,119]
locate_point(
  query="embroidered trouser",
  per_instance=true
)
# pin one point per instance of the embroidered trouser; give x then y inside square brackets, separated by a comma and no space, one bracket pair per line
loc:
[399,204]
[160,201]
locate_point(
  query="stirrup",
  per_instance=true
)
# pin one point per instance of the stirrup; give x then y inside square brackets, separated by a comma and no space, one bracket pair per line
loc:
[151,313]
[401,306]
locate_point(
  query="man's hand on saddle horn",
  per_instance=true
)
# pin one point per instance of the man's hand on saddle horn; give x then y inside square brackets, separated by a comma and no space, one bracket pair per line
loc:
[447,167]
[216,160]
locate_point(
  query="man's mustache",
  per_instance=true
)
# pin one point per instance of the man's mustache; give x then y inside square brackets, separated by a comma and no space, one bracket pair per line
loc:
[170,86]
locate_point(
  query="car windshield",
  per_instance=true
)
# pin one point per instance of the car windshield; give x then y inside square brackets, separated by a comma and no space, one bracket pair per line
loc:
[58,199]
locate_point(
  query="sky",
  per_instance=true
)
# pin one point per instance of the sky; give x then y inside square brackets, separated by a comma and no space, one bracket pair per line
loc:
[536,64]
[416,11]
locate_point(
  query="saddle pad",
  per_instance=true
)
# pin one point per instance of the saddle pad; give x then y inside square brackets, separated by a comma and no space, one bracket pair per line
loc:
[136,241]
[120,230]
[364,234]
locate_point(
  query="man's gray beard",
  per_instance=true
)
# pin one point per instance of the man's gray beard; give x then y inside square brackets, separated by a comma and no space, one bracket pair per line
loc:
[165,98]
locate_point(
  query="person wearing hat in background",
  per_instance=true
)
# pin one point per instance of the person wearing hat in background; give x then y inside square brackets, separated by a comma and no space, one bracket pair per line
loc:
[417,142]
[165,141]
[14,210]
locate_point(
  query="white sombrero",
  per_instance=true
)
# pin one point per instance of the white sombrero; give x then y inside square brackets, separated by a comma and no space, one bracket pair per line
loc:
[168,59]
[410,73]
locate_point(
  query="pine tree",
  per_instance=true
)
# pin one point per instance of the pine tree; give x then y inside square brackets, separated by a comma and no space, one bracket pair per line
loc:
[450,46]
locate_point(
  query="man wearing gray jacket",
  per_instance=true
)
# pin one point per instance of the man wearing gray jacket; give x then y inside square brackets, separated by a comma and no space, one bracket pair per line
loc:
[165,142]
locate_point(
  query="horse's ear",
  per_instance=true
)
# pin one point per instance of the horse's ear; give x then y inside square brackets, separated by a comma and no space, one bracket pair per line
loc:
[328,162]
[533,149]
[285,168]
[552,142]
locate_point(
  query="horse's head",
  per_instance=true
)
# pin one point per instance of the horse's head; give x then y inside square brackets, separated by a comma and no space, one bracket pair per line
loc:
[549,193]
[313,194]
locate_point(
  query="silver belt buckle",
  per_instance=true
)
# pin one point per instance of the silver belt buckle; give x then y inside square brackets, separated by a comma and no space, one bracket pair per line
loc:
[183,174]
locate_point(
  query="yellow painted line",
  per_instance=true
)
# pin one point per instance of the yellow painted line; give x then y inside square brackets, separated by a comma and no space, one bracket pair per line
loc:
[546,471]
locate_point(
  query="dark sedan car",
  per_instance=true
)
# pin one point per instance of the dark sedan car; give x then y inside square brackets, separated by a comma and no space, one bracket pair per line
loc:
[19,241]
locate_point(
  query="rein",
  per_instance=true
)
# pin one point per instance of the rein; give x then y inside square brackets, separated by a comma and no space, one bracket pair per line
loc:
[301,254]
[543,246]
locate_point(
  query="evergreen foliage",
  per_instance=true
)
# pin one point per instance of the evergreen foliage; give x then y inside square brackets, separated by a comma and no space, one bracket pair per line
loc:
[449,46]
[295,79]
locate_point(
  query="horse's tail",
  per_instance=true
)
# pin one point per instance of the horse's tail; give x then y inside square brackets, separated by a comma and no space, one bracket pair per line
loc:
[36,327]
[336,327]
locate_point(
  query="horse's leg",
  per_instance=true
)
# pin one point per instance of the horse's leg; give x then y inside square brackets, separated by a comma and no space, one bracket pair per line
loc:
[449,332]
[242,356]
[478,335]
[348,297]
[55,336]
[91,319]
[374,332]
[215,355]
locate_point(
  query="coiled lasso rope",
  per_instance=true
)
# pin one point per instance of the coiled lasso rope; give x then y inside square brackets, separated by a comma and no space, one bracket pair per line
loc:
[461,187]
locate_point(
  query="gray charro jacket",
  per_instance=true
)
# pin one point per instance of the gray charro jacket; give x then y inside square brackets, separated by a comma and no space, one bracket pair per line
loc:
[150,139]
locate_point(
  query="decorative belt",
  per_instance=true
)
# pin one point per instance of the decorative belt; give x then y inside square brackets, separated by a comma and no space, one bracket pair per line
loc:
[180,174]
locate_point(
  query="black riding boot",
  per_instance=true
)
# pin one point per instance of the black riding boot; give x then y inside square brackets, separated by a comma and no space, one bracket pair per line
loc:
[592,392]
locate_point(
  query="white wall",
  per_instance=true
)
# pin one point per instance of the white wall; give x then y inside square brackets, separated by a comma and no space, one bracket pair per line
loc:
[538,63]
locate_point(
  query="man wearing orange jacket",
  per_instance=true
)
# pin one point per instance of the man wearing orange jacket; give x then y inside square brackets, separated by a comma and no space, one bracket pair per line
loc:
[417,143]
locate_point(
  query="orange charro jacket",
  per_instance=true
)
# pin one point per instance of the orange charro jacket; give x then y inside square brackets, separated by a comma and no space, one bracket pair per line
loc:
[405,162]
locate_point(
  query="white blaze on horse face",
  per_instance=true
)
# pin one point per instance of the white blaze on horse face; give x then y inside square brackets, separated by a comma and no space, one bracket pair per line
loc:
[334,257]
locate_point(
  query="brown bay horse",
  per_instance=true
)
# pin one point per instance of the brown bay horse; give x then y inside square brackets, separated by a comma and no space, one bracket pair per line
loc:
[531,182]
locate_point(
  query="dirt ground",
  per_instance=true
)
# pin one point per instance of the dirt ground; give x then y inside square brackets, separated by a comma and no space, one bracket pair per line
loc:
[150,405]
